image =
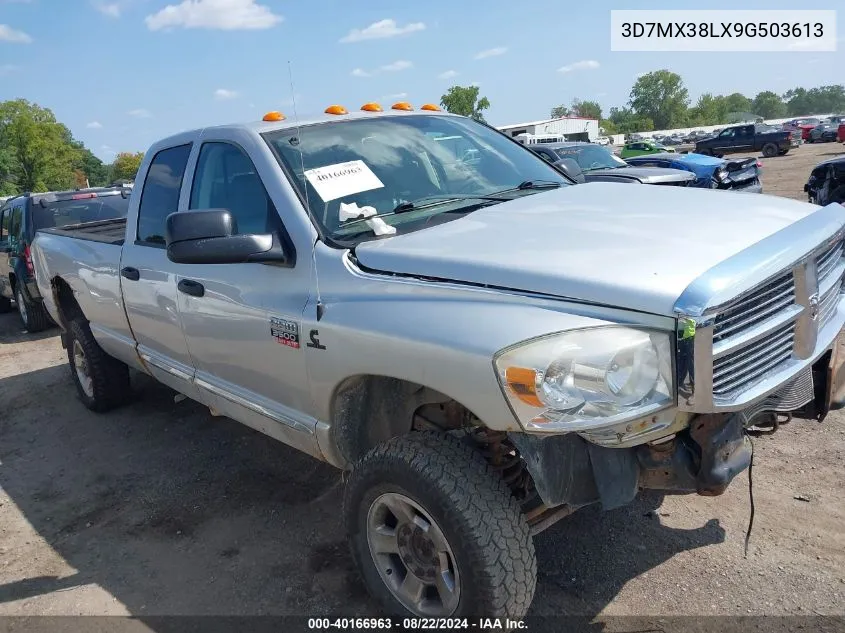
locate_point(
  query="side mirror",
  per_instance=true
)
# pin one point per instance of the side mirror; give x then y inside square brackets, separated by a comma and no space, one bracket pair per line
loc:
[209,236]
[572,169]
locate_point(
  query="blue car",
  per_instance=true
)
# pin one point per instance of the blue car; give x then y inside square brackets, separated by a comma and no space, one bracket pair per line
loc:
[741,174]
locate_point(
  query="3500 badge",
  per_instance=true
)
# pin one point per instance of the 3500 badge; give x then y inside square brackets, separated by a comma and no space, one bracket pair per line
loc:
[285,332]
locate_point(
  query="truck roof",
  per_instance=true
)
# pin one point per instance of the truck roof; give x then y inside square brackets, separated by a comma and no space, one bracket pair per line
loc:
[291,122]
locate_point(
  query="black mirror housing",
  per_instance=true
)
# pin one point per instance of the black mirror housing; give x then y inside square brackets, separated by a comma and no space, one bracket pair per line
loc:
[571,168]
[210,236]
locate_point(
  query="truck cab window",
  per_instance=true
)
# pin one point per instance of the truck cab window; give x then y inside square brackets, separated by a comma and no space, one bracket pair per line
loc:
[160,195]
[225,178]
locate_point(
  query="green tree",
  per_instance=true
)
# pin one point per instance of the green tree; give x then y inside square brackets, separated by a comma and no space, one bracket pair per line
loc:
[769,105]
[126,165]
[586,109]
[94,170]
[797,102]
[608,127]
[660,96]
[464,100]
[737,102]
[827,99]
[627,121]
[559,111]
[38,152]
[708,110]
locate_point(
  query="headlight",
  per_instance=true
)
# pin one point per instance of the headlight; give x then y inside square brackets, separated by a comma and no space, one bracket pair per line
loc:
[722,175]
[587,379]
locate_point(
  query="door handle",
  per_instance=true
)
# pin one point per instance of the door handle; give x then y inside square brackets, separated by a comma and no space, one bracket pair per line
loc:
[191,287]
[130,273]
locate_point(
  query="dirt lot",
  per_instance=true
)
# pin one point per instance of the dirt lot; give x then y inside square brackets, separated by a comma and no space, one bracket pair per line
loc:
[159,508]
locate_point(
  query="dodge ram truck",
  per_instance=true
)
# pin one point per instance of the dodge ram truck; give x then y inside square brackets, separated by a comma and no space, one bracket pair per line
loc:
[486,347]
[749,138]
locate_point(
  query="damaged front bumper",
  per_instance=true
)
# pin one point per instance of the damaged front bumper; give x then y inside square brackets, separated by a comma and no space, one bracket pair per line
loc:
[702,458]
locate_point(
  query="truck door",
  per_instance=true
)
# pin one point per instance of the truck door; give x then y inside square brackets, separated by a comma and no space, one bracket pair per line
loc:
[242,321]
[148,277]
[5,269]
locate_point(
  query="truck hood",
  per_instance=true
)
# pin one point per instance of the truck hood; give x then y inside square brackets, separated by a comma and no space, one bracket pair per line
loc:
[646,175]
[630,247]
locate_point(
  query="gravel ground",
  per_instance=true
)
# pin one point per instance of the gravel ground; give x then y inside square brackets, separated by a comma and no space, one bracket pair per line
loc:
[159,508]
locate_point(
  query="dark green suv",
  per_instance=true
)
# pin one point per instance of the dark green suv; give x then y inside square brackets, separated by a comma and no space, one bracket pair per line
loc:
[22,217]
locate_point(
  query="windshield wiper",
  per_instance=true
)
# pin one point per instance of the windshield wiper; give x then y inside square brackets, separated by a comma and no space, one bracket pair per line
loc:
[537,184]
[433,201]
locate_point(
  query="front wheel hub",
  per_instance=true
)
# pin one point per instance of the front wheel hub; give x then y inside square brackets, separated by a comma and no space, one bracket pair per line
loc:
[412,556]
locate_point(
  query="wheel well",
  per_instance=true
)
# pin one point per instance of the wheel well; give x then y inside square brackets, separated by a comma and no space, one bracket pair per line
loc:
[367,410]
[13,282]
[66,303]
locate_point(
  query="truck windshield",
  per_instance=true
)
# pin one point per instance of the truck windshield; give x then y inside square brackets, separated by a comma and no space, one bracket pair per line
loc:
[406,168]
[67,212]
[591,157]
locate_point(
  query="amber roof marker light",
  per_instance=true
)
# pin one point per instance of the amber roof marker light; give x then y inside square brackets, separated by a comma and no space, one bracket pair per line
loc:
[431,107]
[402,105]
[274,116]
[372,106]
[336,109]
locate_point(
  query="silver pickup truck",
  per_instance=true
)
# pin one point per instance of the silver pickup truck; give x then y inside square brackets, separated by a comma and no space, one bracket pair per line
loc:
[484,345]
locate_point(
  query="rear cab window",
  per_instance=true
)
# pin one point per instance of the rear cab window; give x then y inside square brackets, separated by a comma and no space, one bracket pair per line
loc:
[160,194]
[79,209]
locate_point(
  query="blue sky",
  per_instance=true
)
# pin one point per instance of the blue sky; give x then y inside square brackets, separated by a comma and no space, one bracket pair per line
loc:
[123,73]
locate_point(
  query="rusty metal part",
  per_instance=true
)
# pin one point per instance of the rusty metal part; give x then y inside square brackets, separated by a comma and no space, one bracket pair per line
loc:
[669,466]
[725,451]
[544,520]
[502,455]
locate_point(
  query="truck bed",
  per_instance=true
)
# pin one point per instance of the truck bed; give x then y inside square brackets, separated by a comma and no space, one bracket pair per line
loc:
[105,231]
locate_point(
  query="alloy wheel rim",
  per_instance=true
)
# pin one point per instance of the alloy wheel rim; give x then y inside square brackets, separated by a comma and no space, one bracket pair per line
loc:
[80,365]
[412,556]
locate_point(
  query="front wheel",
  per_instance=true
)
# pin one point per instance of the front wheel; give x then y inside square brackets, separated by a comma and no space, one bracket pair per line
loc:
[436,532]
[102,382]
[770,150]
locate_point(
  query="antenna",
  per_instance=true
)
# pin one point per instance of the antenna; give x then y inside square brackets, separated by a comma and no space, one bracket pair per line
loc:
[320,308]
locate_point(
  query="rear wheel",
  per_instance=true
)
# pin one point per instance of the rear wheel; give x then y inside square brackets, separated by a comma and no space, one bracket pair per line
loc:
[33,314]
[436,532]
[102,382]
[770,150]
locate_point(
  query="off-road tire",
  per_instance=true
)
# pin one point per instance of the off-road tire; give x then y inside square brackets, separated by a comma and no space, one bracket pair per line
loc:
[109,376]
[34,316]
[470,502]
[5,305]
[770,150]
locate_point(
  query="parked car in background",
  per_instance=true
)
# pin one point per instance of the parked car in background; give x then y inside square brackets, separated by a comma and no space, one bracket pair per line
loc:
[638,148]
[823,133]
[840,133]
[710,172]
[826,183]
[748,138]
[603,140]
[598,164]
[803,126]
[22,217]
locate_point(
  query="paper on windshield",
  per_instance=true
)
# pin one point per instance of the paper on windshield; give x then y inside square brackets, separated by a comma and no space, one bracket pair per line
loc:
[343,179]
[352,211]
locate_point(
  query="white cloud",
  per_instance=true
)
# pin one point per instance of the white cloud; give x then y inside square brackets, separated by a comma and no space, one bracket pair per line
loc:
[492,52]
[397,65]
[381,30]
[111,9]
[224,15]
[140,113]
[387,68]
[398,95]
[8,69]
[222,94]
[94,125]
[8,34]
[587,64]
[448,74]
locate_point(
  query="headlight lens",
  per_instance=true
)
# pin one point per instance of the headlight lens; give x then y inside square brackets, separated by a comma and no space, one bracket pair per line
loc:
[587,379]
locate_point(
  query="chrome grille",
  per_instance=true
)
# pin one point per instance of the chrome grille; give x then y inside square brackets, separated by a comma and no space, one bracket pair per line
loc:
[760,305]
[757,334]
[742,367]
